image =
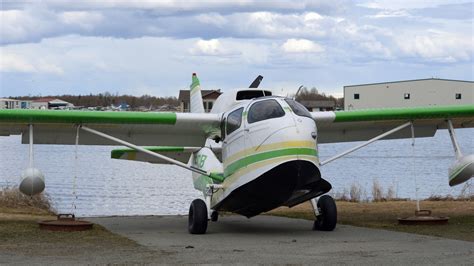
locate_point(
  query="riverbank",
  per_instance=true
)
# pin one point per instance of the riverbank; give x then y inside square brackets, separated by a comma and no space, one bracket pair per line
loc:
[21,241]
[164,239]
[383,215]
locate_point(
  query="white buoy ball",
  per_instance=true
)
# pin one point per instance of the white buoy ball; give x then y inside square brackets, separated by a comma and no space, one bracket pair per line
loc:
[32,182]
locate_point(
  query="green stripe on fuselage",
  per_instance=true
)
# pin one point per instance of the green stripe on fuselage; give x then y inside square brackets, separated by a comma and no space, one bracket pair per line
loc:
[234,167]
[405,113]
[89,117]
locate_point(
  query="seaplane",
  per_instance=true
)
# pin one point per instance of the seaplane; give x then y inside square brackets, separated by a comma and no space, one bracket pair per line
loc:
[252,153]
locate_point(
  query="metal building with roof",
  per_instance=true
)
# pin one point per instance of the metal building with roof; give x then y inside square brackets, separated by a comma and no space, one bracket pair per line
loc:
[409,93]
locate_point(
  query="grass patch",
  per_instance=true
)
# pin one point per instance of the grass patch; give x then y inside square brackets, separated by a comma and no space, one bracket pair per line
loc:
[19,232]
[13,201]
[383,215]
[21,235]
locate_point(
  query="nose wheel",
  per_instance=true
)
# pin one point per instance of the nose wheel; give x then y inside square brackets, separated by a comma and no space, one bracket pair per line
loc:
[326,213]
[197,218]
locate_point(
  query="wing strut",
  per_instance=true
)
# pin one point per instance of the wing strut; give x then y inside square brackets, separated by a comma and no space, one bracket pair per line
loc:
[135,147]
[367,143]
[457,150]
[463,167]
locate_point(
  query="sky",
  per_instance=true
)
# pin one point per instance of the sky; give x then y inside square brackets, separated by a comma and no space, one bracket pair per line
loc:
[149,47]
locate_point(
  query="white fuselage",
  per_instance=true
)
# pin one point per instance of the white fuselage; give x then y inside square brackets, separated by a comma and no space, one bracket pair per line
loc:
[262,134]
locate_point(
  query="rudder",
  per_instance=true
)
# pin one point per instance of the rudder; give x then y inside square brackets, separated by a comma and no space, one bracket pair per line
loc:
[196,103]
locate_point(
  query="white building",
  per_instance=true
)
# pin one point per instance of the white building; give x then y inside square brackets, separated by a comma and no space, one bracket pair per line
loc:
[6,103]
[409,93]
[50,103]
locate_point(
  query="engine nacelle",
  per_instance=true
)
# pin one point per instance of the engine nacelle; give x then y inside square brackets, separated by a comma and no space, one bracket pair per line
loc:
[32,182]
[462,170]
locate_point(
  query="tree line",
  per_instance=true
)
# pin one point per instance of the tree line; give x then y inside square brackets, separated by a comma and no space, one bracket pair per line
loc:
[305,94]
[148,101]
[108,99]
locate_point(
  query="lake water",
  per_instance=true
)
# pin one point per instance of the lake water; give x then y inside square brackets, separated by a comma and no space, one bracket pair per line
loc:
[117,187]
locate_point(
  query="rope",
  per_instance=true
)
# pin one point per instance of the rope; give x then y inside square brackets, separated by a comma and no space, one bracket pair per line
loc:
[74,195]
[414,166]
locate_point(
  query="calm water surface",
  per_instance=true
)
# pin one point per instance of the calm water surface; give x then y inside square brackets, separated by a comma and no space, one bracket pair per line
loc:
[117,187]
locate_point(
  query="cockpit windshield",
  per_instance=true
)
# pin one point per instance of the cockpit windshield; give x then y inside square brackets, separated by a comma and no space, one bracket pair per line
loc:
[264,110]
[298,108]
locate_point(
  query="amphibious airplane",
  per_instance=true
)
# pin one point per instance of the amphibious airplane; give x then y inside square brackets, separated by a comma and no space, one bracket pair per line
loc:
[254,152]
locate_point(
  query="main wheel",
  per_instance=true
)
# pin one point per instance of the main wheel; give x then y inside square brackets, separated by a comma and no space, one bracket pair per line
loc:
[327,218]
[197,218]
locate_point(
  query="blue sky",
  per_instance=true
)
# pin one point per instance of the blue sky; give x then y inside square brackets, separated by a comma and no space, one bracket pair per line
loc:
[152,47]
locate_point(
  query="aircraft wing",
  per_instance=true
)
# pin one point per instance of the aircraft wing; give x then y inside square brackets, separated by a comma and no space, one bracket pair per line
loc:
[358,125]
[139,128]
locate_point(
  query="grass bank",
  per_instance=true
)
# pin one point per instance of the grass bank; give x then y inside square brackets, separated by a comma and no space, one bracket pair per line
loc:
[21,240]
[383,215]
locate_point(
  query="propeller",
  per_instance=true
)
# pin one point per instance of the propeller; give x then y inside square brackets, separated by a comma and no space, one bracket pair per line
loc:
[256,82]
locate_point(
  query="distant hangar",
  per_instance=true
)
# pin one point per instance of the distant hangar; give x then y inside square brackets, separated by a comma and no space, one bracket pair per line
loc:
[409,93]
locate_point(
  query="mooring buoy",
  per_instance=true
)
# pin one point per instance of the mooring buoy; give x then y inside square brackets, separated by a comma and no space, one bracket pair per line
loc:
[65,222]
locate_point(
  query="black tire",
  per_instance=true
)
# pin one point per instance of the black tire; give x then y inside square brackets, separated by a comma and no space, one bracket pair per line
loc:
[327,218]
[197,218]
[214,216]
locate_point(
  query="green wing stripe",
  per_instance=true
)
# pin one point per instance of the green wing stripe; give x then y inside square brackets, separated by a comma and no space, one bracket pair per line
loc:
[90,117]
[118,153]
[234,167]
[462,167]
[405,113]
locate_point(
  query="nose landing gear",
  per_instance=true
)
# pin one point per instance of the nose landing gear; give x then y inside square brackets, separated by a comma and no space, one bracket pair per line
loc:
[326,213]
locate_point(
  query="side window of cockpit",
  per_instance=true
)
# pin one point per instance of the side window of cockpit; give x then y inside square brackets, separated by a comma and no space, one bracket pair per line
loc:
[298,108]
[234,120]
[264,110]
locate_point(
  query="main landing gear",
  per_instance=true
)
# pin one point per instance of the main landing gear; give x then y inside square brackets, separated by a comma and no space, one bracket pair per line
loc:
[200,211]
[197,218]
[326,213]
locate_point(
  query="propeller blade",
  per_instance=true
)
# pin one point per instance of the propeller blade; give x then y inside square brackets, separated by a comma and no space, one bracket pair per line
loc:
[256,82]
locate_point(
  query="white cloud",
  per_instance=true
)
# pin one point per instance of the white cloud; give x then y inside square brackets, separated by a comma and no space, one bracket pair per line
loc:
[312,16]
[301,46]
[15,63]
[83,19]
[211,47]
[376,49]
[212,19]
[437,46]
[306,25]
[46,67]
[17,25]
[405,4]
[391,14]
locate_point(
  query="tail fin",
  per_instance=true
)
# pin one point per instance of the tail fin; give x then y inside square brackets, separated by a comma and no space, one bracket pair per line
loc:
[196,104]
